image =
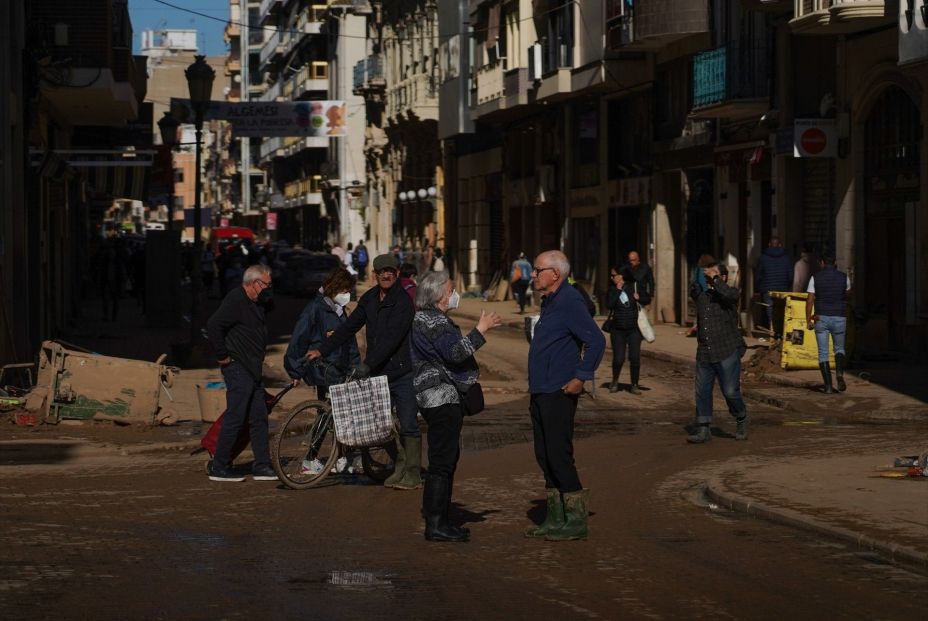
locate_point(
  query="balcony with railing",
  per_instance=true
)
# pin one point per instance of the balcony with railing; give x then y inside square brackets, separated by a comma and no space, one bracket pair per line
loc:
[303,192]
[651,24]
[818,17]
[272,93]
[271,48]
[368,75]
[490,82]
[731,82]
[557,57]
[620,24]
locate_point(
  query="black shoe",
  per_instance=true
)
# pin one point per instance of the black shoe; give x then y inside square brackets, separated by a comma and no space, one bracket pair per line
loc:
[634,389]
[840,365]
[263,473]
[703,434]
[223,474]
[436,498]
[741,428]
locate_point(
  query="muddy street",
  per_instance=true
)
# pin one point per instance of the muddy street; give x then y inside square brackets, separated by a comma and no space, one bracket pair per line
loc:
[112,536]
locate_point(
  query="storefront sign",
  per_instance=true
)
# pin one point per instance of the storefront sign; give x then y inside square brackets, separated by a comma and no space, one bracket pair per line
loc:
[815,138]
[271,221]
[272,119]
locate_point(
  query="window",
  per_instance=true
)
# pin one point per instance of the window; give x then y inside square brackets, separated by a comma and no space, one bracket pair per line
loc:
[178,175]
[585,131]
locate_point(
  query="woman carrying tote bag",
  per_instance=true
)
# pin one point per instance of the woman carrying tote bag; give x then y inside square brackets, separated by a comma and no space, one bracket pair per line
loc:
[623,303]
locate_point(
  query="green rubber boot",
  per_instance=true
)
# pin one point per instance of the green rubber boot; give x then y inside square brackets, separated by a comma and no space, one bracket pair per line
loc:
[553,519]
[412,475]
[399,466]
[576,510]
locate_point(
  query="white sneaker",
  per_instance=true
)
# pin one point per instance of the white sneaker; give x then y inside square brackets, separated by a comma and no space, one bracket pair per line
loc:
[341,465]
[313,466]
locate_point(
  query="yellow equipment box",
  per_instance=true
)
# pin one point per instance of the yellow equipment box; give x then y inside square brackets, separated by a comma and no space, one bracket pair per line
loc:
[799,349]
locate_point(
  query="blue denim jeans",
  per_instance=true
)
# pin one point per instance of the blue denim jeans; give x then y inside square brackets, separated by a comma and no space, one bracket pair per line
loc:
[403,397]
[837,327]
[728,372]
[768,310]
[244,406]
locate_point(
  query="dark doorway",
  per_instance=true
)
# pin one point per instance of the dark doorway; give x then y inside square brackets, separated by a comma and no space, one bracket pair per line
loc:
[623,233]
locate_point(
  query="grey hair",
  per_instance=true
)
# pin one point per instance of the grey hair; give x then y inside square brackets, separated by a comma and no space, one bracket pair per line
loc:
[557,259]
[431,288]
[254,272]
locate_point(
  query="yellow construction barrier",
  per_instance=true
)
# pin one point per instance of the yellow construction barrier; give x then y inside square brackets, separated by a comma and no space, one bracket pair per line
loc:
[799,349]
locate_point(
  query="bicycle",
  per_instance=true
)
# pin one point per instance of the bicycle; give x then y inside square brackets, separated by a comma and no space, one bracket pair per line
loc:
[305,449]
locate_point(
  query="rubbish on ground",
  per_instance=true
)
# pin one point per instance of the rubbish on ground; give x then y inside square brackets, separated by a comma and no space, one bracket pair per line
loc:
[908,467]
[81,385]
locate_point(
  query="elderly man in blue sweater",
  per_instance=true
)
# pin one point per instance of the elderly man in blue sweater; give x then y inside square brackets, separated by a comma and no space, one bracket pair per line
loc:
[566,349]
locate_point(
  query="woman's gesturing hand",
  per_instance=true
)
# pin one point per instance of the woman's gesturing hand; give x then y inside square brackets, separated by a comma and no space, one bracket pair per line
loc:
[488,321]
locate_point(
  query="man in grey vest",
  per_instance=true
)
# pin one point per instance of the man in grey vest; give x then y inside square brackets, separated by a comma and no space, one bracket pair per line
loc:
[828,293]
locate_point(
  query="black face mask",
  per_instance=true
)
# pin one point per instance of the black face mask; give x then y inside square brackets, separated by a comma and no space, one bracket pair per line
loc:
[266,298]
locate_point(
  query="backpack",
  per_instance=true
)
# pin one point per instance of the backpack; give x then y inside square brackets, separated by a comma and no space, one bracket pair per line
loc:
[360,254]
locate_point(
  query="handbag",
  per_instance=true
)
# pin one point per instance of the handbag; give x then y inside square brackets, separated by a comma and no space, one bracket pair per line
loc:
[607,325]
[644,325]
[472,400]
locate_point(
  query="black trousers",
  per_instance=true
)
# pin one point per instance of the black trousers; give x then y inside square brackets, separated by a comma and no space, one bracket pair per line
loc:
[519,289]
[444,436]
[630,338]
[553,430]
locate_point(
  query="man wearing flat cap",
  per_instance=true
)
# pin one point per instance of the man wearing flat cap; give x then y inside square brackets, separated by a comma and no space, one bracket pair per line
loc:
[719,348]
[387,311]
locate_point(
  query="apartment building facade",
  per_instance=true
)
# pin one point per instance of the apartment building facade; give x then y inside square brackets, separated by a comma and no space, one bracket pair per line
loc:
[399,82]
[678,128]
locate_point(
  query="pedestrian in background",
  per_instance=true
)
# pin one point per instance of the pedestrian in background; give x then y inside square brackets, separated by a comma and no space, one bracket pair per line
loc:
[719,349]
[805,268]
[622,301]
[408,275]
[387,313]
[641,273]
[238,333]
[520,276]
[828,292]
[556,373]
[773,272]
[445,369]
[361,260]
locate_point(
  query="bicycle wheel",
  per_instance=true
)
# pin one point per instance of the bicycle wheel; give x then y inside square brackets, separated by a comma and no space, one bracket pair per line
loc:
[304,449]
[379,461]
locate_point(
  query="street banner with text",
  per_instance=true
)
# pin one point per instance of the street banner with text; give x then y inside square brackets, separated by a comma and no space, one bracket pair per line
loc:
[322,119]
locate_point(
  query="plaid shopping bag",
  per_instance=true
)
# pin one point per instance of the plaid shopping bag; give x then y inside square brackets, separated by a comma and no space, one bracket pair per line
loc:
[361,409]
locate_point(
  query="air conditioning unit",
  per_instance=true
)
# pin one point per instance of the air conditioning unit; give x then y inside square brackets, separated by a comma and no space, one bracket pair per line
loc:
[534,62]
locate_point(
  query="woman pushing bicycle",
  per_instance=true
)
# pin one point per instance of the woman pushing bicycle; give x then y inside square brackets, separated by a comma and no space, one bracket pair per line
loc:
[322,316]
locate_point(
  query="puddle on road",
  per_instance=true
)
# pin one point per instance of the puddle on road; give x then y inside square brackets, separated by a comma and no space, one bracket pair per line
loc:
[356,579]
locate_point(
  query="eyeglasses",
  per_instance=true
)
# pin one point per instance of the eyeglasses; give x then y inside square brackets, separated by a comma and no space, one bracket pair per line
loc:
[267,285]
[387,271]
[539,270]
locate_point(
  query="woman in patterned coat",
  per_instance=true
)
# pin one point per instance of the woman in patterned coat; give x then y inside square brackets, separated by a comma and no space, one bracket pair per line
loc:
[445,368]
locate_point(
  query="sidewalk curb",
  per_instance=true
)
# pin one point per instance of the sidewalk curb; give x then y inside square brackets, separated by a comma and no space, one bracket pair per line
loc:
[159,447]
[717,491]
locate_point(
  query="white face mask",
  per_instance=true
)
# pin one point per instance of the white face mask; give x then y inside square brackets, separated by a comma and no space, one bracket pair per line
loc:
[454,300]
[342,298]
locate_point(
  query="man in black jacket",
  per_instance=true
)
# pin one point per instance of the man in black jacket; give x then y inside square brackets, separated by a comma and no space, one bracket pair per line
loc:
[387,311]
[238,334]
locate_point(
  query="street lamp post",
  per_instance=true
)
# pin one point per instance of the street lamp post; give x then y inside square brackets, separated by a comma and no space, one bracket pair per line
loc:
[200,83]
[168,127]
